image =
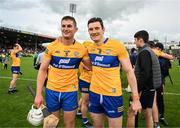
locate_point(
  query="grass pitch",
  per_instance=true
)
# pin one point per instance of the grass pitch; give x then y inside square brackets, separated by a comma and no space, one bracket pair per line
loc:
[14,107]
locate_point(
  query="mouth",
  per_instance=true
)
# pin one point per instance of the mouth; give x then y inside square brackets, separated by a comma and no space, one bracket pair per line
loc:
[94,35]
[66,33]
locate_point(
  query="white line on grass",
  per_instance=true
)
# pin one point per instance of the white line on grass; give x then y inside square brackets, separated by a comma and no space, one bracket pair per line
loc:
[5,77]
[27,79]
[170,93]
[166,93]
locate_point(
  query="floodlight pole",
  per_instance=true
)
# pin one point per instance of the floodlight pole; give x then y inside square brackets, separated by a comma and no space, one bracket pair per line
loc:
[166,42]
[72,8]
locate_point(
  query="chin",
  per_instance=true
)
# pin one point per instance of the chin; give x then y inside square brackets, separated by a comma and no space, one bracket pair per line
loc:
[95,40]
[67,37]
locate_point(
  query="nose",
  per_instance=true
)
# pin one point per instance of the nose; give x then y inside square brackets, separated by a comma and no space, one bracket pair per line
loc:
[93,31]
[65,27]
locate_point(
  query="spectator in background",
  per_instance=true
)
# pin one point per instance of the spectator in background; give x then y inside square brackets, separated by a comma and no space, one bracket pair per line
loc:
[133,57]
[165,65]
[35,58]
[39,62]
[6,61]
[39,58]
[147,71]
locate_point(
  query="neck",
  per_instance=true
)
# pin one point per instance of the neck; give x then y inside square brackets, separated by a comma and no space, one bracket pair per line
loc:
[142,44]
[100,42]
[66,41]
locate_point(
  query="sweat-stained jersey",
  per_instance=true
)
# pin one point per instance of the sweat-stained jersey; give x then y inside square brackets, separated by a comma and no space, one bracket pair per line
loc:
[64,64]
[106,67]
[85,75]
[15,58]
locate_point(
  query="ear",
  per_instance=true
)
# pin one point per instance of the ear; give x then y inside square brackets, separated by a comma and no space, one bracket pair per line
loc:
[103,30]
[141,40]
[76,29]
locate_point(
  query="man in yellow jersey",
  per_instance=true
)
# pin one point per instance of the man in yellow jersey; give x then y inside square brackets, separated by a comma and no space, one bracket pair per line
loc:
[84,84]
[105,97]
[63,56]
[15,67]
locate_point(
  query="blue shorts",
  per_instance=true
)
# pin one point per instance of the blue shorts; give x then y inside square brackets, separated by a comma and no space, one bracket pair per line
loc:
[67,101]
[84,86]
[15,69]
[112,106]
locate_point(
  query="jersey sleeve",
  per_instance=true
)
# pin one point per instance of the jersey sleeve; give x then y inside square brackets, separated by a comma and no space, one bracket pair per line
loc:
[86,55]
[81,67]
[122,52]
[158,52]
[161,53]
[48,52]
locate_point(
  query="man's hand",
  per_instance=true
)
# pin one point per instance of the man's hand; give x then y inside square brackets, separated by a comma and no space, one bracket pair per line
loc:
[136,106]
[38,101]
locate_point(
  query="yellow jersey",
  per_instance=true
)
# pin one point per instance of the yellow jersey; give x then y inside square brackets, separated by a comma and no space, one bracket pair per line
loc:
[158,52]
[15,58]
[106,67]
[64,64]
[85,75]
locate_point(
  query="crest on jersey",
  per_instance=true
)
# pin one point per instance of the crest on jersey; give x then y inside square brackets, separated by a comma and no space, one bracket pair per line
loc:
[66,53]
[74,86]
[57,51]
[99,51]
[76,54]
[113,90]
[108,51]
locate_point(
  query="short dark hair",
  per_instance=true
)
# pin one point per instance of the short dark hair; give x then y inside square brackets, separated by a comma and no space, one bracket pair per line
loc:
[151,44]
[69,18]
[96,19]
[133,50]
[160,45]
[142,34]
[14,45]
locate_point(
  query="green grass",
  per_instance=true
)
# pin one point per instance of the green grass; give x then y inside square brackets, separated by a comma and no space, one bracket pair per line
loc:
[14,107]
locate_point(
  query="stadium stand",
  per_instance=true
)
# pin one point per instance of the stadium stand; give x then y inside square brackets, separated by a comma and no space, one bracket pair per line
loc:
[28,40]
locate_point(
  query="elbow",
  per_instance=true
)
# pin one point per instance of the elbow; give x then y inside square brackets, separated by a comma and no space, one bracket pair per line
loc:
[171,57]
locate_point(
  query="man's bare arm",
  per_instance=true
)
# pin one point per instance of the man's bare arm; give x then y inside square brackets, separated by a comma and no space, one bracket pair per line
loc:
[40,82]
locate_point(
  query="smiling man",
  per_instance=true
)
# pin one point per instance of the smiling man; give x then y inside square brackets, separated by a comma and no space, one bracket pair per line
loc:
[64,56]
[105,90]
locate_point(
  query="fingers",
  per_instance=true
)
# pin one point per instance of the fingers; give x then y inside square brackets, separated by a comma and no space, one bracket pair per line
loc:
[135,112]
[136,108]
[38,105]
[38,101]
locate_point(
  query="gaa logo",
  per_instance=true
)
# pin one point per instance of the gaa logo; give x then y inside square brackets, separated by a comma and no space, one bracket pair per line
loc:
[76,54]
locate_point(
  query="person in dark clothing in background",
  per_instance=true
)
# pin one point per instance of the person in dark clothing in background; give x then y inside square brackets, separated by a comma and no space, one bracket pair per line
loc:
[165,65]
[147,71]
[133,56]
